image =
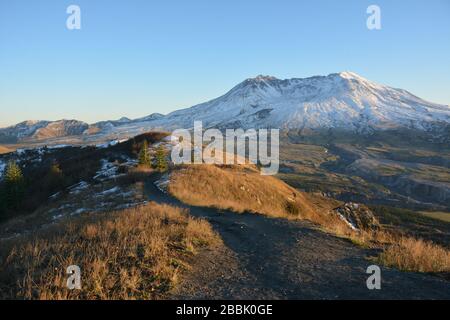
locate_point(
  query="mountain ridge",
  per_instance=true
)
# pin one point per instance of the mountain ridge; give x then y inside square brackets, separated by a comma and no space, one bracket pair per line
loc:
[339,100]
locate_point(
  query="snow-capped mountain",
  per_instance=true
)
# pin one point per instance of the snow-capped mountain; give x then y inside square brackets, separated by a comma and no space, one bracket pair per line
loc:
[340,100]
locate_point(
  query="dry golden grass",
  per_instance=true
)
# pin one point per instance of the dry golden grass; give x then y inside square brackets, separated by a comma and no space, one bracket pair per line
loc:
[243,189]
[132,254]
[238,188]
[411,254]
[5,150]
[439,215]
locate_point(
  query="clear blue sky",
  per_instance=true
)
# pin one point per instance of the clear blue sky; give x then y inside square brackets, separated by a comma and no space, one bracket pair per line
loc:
[132,58]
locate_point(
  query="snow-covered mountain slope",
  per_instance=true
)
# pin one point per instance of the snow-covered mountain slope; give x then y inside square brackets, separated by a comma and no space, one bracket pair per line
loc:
[340,100]
[21,130]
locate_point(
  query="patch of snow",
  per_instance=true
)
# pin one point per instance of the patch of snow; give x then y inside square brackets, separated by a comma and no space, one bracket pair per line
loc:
[54,196]
[127,194]
[77,188]
[57,217]
[2,168]
[173,140]
[163,183]
[65,206]
[109,191]
[107,144]
[129,162]
[78,211]
[107,171]
[350,224]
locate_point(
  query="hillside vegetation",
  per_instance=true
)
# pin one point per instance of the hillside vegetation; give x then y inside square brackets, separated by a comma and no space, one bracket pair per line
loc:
[243,189]
[237,188]
[136,253]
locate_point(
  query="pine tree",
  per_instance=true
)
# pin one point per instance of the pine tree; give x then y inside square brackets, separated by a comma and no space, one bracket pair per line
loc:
[14,185]
[161,162]
[144,156]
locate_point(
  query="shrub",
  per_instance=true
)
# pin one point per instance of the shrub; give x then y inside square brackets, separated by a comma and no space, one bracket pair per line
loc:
[409,254]
[291,208]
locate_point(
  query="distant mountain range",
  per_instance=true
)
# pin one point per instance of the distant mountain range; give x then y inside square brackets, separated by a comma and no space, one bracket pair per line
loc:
[340,100]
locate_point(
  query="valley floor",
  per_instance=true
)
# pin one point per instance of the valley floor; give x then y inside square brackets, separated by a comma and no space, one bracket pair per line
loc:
[272,258]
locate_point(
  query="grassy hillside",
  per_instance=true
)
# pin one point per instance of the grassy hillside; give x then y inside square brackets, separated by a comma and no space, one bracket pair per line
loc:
[137,253]
[443,216]
[243,189]
[237,188]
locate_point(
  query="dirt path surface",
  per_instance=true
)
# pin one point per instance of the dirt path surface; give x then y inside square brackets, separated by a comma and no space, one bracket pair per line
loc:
[269,258]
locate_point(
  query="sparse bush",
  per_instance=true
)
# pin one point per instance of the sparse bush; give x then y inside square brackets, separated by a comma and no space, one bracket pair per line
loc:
[409,254]
[291,208]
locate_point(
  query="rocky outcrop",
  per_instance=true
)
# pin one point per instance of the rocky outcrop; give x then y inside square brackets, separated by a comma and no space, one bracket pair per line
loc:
[357,216]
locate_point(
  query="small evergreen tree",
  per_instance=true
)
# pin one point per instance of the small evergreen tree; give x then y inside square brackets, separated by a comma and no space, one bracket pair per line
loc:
[14,185]
[161,163]
[144,156]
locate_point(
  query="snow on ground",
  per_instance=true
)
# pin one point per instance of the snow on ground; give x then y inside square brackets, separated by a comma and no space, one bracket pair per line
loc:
[100,193]
[107,171]
[163,183]
[20,151]
[59,146]
[107,144]
[349,223]
[339,100]
[2,168]
[77,188]
[129,162]
[109,191]
[54,196]
[78,211]
[172,140]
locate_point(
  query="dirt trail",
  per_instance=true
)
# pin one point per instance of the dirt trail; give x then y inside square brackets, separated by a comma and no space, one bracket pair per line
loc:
[270,258]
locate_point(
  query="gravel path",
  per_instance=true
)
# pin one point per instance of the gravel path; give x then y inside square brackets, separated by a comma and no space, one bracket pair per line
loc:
[271,258]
